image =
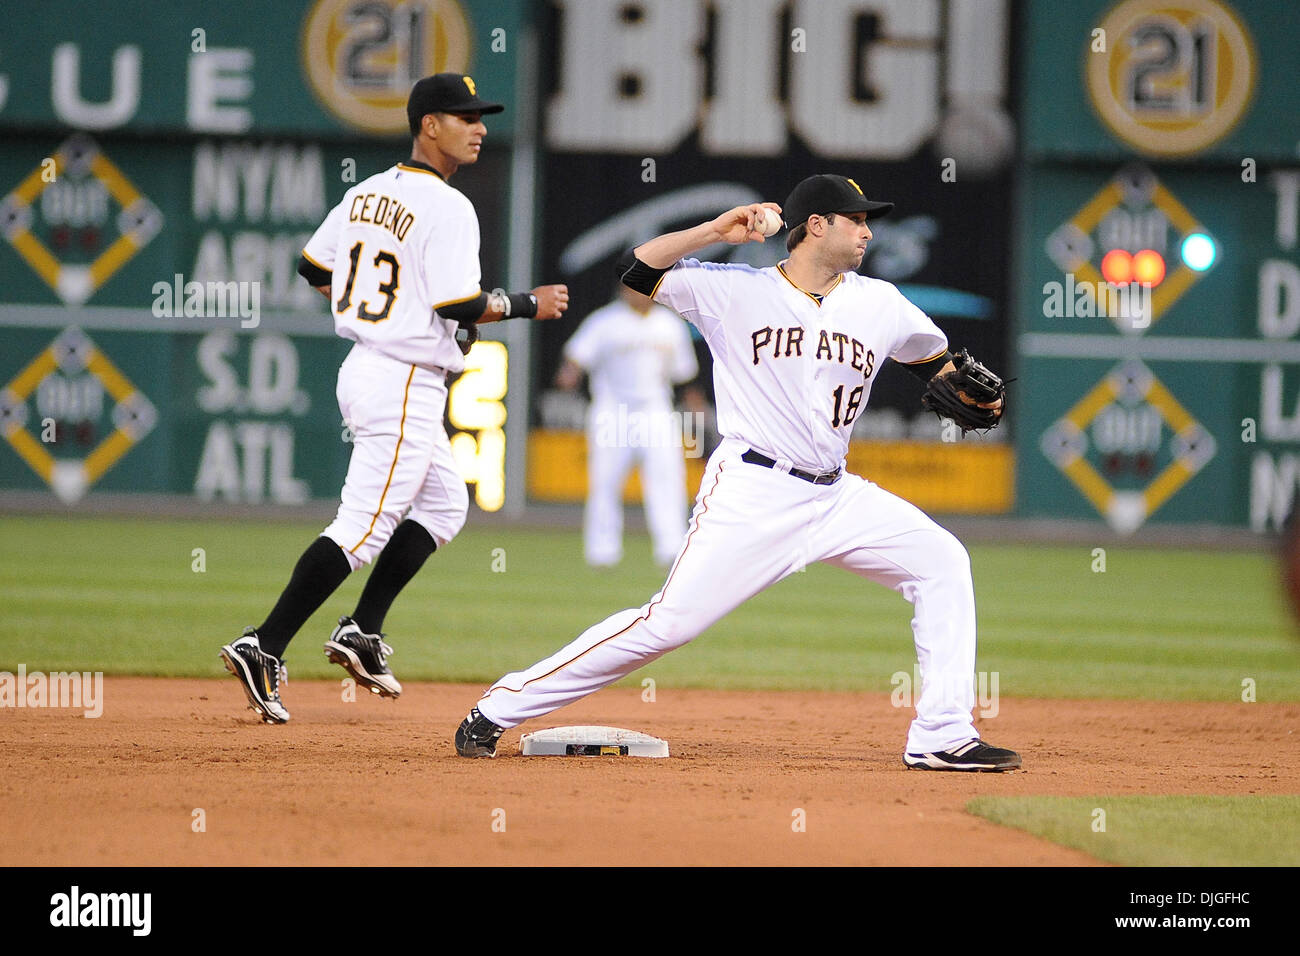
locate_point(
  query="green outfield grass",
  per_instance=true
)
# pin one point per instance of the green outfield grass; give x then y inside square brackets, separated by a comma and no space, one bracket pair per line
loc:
[1160,831]
[120,595]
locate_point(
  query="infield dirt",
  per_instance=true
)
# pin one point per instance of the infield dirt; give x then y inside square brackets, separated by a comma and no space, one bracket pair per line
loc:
[377,782]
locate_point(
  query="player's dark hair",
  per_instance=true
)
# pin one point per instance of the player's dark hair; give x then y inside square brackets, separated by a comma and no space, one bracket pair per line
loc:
[797,234]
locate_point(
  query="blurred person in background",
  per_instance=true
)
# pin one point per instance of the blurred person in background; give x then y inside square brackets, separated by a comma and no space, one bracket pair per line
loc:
[633,352]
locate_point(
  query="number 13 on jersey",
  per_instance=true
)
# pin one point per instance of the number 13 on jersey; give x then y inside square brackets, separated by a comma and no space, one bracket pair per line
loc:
[383,259]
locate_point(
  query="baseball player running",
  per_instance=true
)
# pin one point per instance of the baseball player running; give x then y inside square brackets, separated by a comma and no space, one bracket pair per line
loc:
[796,348]
[634,352]
[398,261]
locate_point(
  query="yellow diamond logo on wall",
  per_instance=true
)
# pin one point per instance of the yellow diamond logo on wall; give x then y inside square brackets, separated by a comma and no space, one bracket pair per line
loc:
[72,365]
[1128,445]
[61,220]
[1136,218]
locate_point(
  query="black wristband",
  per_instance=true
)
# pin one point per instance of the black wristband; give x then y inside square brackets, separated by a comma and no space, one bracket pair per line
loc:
[928,369]
[523,305]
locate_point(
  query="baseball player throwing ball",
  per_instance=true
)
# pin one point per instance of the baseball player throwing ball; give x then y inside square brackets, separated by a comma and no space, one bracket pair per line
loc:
[398,261]
[796,348]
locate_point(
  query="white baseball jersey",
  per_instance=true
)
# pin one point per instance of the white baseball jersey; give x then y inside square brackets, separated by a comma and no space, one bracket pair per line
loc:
[792,389]
[633,359]
[399,245]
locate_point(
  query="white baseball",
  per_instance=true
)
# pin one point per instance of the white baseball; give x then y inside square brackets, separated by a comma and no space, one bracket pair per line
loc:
[767,222]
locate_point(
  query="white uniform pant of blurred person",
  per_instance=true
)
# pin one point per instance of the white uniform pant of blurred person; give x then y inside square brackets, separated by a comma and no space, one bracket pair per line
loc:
[620,436]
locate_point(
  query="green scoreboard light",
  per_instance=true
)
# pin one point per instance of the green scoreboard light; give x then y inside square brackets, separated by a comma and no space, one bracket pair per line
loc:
[1198,251]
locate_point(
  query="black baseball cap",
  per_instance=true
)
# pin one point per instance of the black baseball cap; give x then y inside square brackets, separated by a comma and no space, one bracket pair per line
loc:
[819,195]
[445,93]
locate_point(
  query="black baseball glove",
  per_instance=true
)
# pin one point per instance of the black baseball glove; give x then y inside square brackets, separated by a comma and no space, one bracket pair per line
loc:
[466,336]
[957,394]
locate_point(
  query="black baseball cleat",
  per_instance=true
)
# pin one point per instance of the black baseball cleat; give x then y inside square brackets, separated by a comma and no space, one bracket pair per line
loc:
[364,656]
[477,736]
[259,673]
[974,756]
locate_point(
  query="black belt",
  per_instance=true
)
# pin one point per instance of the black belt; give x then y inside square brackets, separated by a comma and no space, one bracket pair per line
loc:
[829,478]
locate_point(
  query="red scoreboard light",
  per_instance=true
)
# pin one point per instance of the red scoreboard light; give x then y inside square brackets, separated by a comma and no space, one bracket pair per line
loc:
[1117,267]
[1145,267]
[1148,268]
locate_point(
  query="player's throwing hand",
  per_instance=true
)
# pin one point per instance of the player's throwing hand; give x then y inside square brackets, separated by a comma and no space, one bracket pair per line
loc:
[739,225]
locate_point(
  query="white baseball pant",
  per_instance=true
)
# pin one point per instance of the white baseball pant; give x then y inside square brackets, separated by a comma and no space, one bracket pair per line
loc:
[751,527]
[618,437]
[401,456]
